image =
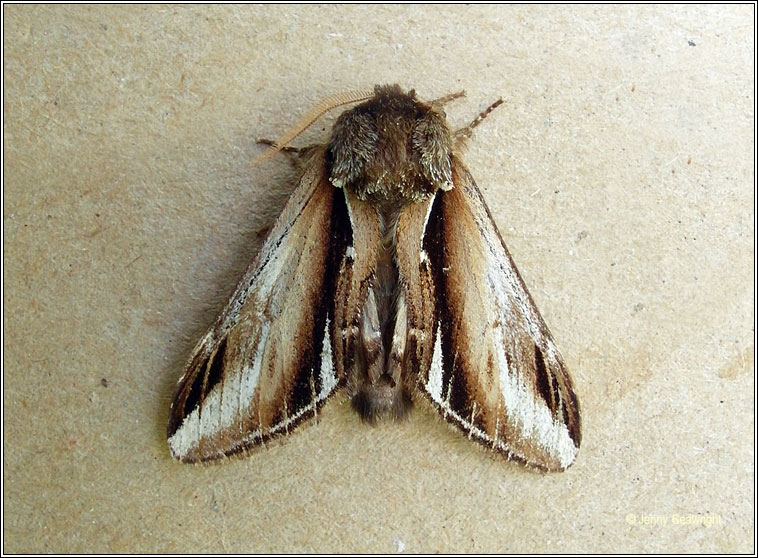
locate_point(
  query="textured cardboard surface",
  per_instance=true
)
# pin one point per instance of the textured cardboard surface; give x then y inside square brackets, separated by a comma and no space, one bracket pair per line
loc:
[620,171]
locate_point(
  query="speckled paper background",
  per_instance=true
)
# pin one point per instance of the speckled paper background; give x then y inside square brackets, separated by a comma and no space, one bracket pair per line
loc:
[620,171]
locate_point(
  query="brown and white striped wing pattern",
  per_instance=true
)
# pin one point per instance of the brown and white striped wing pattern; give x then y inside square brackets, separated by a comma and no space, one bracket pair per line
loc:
[267,363]
[495,371]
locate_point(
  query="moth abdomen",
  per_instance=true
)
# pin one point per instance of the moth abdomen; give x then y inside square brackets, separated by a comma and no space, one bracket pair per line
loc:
[381,401]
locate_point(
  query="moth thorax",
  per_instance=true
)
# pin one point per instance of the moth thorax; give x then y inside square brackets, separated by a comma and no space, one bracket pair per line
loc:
[392,147]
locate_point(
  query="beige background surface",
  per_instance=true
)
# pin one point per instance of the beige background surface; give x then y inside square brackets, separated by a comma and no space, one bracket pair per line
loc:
[620,172]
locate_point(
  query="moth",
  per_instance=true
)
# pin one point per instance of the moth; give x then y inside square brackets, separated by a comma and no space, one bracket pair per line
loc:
[386,277]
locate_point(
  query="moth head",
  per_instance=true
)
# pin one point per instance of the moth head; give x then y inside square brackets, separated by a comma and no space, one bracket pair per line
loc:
[391,147]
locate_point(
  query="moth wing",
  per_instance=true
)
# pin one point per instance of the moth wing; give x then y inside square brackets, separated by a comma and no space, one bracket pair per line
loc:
[495,371]
[418,292]
[355,277]
[267,364]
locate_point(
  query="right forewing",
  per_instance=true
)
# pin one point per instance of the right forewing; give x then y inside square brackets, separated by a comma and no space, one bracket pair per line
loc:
[495,371]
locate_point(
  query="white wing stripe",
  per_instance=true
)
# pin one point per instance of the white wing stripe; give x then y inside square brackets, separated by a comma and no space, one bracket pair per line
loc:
[250,375]
[327,374]
[218,410]
[434,381]
[524,409]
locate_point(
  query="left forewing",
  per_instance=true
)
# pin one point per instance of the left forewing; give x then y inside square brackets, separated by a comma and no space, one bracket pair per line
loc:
[495,371]
[267,363]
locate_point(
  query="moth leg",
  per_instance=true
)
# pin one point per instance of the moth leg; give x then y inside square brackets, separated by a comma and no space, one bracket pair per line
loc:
[465,133]
[437,103]
[297,155]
